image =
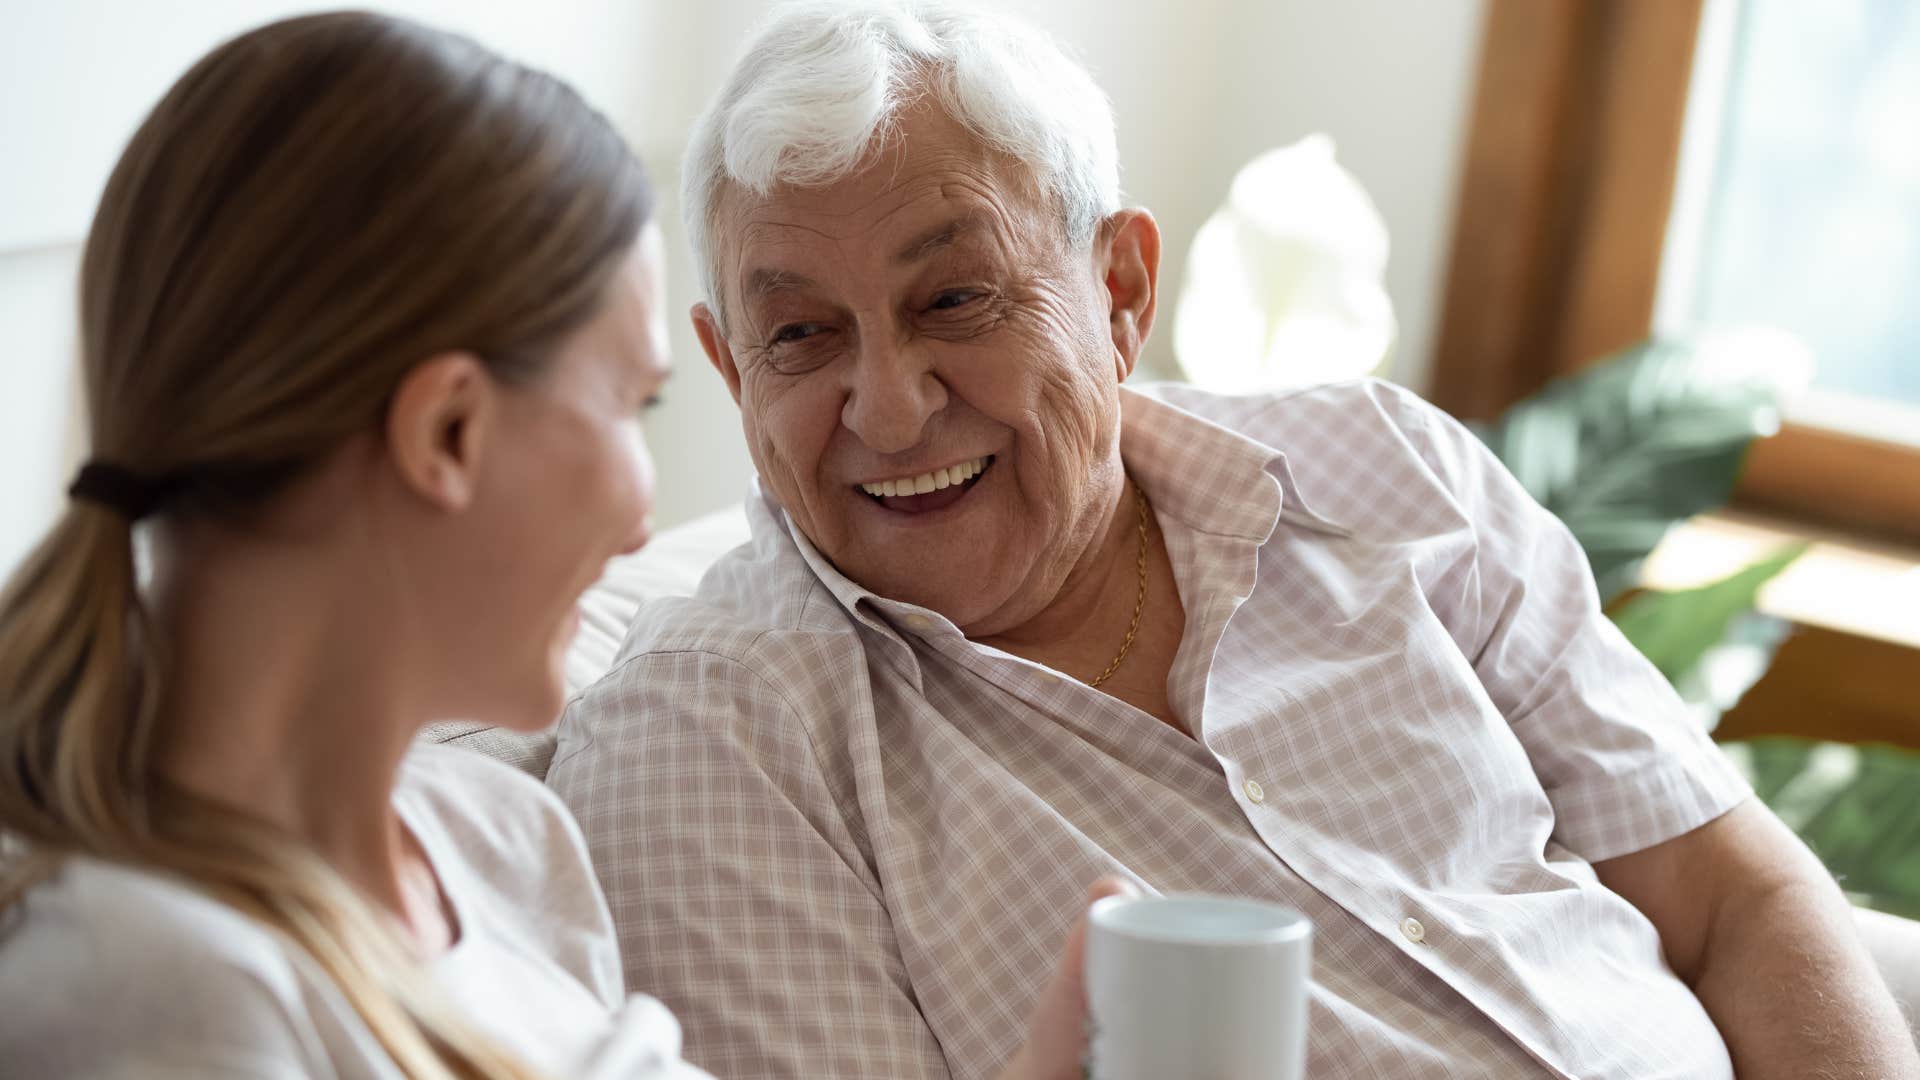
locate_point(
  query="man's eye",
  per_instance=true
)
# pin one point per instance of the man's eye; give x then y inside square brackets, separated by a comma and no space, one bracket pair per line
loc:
[793,332]
[953,298]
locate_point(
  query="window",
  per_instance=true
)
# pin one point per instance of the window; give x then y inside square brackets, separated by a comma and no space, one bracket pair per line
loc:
[1680,164]
[1799,199]
[1622,173]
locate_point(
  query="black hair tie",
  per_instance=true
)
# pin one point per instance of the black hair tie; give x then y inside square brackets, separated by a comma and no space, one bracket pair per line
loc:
[135,496]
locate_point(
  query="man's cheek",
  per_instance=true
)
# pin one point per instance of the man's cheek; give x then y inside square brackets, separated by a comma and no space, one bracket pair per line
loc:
[788,458]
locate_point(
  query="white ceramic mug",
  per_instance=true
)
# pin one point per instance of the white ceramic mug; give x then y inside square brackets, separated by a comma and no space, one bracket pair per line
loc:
[1196,988]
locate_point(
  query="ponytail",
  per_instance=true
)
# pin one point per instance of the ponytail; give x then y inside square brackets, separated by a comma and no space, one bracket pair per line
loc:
[76,718]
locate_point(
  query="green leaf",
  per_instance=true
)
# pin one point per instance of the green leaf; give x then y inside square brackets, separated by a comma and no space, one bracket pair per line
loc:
[1676,629]
[1648,438]
[1730,667]
[1857,807]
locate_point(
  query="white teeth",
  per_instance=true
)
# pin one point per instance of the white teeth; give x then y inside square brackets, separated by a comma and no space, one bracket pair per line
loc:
[933,480]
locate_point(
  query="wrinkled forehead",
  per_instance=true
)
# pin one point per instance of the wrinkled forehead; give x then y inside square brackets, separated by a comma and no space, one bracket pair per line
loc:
[928,174]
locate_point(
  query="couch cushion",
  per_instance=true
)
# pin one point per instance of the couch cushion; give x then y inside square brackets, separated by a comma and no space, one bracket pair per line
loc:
[530,752]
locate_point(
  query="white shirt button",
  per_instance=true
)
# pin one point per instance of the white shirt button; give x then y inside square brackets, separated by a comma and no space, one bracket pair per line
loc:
[1255,793]
[1414,932]
[919,622]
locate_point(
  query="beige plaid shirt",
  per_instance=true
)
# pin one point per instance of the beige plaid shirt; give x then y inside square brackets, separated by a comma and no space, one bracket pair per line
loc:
[840,839]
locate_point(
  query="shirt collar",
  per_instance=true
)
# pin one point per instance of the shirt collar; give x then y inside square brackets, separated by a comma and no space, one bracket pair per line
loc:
[1211,478]
[884,616]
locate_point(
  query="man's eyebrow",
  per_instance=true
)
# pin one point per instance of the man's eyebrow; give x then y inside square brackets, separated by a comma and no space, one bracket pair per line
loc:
[940,236]
[768,280]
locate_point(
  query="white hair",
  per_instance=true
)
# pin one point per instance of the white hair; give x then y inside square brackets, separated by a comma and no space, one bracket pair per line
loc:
[822,84]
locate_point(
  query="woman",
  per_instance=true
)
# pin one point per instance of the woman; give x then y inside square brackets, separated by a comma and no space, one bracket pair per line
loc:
[367,317]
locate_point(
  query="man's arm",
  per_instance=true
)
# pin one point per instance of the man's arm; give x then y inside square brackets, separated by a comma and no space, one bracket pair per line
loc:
[1751,921]
[1748,918]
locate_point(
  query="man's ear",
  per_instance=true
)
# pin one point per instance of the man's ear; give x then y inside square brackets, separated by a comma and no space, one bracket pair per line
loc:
[437,428]
[706,326]
[1130,243]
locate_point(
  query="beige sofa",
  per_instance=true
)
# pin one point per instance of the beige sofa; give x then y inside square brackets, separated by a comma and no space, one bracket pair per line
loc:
[672,565]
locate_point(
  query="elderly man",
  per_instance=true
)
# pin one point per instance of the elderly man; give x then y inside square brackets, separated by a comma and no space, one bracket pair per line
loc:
[1005,626]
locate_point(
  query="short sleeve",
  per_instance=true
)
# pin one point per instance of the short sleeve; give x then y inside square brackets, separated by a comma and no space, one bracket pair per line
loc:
[1622,762]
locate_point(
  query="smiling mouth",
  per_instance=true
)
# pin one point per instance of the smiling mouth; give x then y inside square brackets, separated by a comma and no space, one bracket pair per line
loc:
[928,491]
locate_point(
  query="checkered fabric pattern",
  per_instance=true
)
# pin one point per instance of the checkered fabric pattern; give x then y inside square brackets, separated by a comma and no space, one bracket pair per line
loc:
[842,840]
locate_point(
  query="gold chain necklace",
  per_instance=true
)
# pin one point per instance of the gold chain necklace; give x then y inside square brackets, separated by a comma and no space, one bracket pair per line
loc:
[1140,598]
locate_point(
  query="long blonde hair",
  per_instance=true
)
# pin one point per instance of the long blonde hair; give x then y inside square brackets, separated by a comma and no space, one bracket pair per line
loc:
[315,207]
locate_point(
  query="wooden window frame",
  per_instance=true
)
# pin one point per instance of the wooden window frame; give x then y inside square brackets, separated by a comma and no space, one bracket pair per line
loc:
[1558,234]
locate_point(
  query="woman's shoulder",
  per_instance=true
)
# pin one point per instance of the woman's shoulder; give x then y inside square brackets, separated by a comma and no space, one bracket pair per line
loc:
[110,970]
[93,918]
[492,812]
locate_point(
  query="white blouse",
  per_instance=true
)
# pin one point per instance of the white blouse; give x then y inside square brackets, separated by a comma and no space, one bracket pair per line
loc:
[107,971]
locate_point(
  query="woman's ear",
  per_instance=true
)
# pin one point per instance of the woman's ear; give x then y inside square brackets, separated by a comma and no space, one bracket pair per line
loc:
[438,424]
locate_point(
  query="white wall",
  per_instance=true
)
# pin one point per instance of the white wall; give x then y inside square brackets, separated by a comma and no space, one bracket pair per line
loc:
[1198,87]
[77,77]
[39,391]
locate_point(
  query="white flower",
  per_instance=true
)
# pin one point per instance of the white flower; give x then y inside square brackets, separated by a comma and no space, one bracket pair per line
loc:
[1283,284]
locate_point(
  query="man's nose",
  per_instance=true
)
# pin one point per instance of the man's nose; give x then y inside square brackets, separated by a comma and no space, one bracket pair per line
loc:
[892,392]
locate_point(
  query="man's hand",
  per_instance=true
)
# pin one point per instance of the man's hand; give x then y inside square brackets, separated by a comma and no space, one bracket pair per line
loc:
[1752,922]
